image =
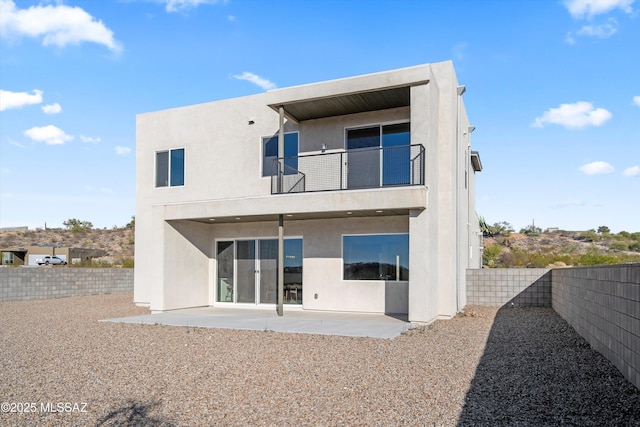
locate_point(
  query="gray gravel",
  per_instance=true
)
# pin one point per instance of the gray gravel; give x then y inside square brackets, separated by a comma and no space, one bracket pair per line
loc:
[534,370]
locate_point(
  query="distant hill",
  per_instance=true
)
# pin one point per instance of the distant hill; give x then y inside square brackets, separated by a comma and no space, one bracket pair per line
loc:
[549,249]
[560,248]
[117,242]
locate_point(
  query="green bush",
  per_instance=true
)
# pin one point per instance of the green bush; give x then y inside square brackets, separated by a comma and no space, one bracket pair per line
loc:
[619,246]
[75,225]
[490,255]
[596,259]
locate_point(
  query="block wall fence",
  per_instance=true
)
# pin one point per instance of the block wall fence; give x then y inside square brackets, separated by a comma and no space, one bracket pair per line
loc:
[522,287]
[601,303]
[19,284]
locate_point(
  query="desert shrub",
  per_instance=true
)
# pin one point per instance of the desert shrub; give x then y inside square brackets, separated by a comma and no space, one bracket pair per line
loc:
[490,255]
[595,257]
[128,263]
[506,260]
[619,246]
[589,236]
[635,247]
[75,225]
[531,230]
[501,228]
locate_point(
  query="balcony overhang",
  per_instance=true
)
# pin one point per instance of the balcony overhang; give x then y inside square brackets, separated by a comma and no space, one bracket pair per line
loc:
[476,164]
[348,103]
[301,206]
[371,92]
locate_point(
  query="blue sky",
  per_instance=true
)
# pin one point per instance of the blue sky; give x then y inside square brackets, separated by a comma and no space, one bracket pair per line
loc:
[553,88]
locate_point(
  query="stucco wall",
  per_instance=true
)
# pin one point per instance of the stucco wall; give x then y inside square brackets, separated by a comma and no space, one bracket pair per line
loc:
[603,305]
[322,262]
[55,282]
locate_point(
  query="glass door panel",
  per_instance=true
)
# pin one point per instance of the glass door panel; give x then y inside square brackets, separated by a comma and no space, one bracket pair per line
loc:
[396,159]
[363,157]
[246,271]
[224,257]
[269,271]
[292,271]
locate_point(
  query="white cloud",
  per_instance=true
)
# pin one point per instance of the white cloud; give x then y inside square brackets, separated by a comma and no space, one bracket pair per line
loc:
[90,139]
[51,135]
[17,144]
[52,108]
[122,151]
[9,100]
[636,100]
[596,168]
[231,18]
[182,5]
[574,116]
[256,80]
[602,31]
[58,25]
[632,171]
[580,9]
[106,190]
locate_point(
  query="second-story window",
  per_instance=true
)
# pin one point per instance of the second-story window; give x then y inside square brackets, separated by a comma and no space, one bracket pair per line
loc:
[170,168]
[270,153]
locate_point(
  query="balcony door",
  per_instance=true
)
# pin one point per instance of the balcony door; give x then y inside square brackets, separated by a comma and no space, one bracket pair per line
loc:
[378,156]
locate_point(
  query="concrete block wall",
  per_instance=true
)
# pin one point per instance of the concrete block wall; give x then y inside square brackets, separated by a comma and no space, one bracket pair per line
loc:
[524,287]
[603,305]
[18,284]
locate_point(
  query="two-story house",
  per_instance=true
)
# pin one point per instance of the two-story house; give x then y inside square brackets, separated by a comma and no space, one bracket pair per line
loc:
[354,195]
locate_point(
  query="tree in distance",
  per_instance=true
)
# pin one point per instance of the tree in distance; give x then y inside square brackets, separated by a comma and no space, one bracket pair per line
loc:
[75,225]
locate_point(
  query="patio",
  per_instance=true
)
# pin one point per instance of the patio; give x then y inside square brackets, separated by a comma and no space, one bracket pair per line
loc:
[295,321]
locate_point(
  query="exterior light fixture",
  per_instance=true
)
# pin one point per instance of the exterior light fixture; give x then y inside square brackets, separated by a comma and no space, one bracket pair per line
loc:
[324,147]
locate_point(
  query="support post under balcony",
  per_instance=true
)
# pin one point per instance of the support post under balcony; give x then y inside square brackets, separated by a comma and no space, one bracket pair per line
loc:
[280,308]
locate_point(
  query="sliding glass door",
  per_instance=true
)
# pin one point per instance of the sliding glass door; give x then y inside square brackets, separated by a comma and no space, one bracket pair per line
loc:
[378,156]
[247,271]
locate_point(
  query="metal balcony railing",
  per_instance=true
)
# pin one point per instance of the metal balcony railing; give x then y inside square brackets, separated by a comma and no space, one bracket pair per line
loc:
[349,170]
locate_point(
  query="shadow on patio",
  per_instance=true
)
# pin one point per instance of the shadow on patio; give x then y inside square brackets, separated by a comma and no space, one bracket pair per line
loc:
[536,370]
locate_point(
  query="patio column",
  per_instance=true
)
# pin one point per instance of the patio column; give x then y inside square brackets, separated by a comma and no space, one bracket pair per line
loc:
[281,216]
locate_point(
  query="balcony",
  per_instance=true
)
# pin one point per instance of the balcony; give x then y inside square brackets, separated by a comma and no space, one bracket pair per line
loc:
[349,170]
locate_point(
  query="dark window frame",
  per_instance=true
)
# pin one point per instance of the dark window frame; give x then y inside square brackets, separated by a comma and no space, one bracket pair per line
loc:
[291,158]
[374,269]
[166,175]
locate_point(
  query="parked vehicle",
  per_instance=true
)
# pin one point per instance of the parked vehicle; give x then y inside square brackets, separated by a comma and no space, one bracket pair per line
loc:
[54,260]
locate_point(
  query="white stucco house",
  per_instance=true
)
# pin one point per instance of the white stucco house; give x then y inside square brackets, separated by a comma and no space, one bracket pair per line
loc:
[368,182]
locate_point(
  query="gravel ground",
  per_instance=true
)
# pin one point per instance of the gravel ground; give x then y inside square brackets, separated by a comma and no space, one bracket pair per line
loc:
[488,367]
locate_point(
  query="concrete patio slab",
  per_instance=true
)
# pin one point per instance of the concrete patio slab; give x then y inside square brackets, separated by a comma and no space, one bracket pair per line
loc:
[305,322]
